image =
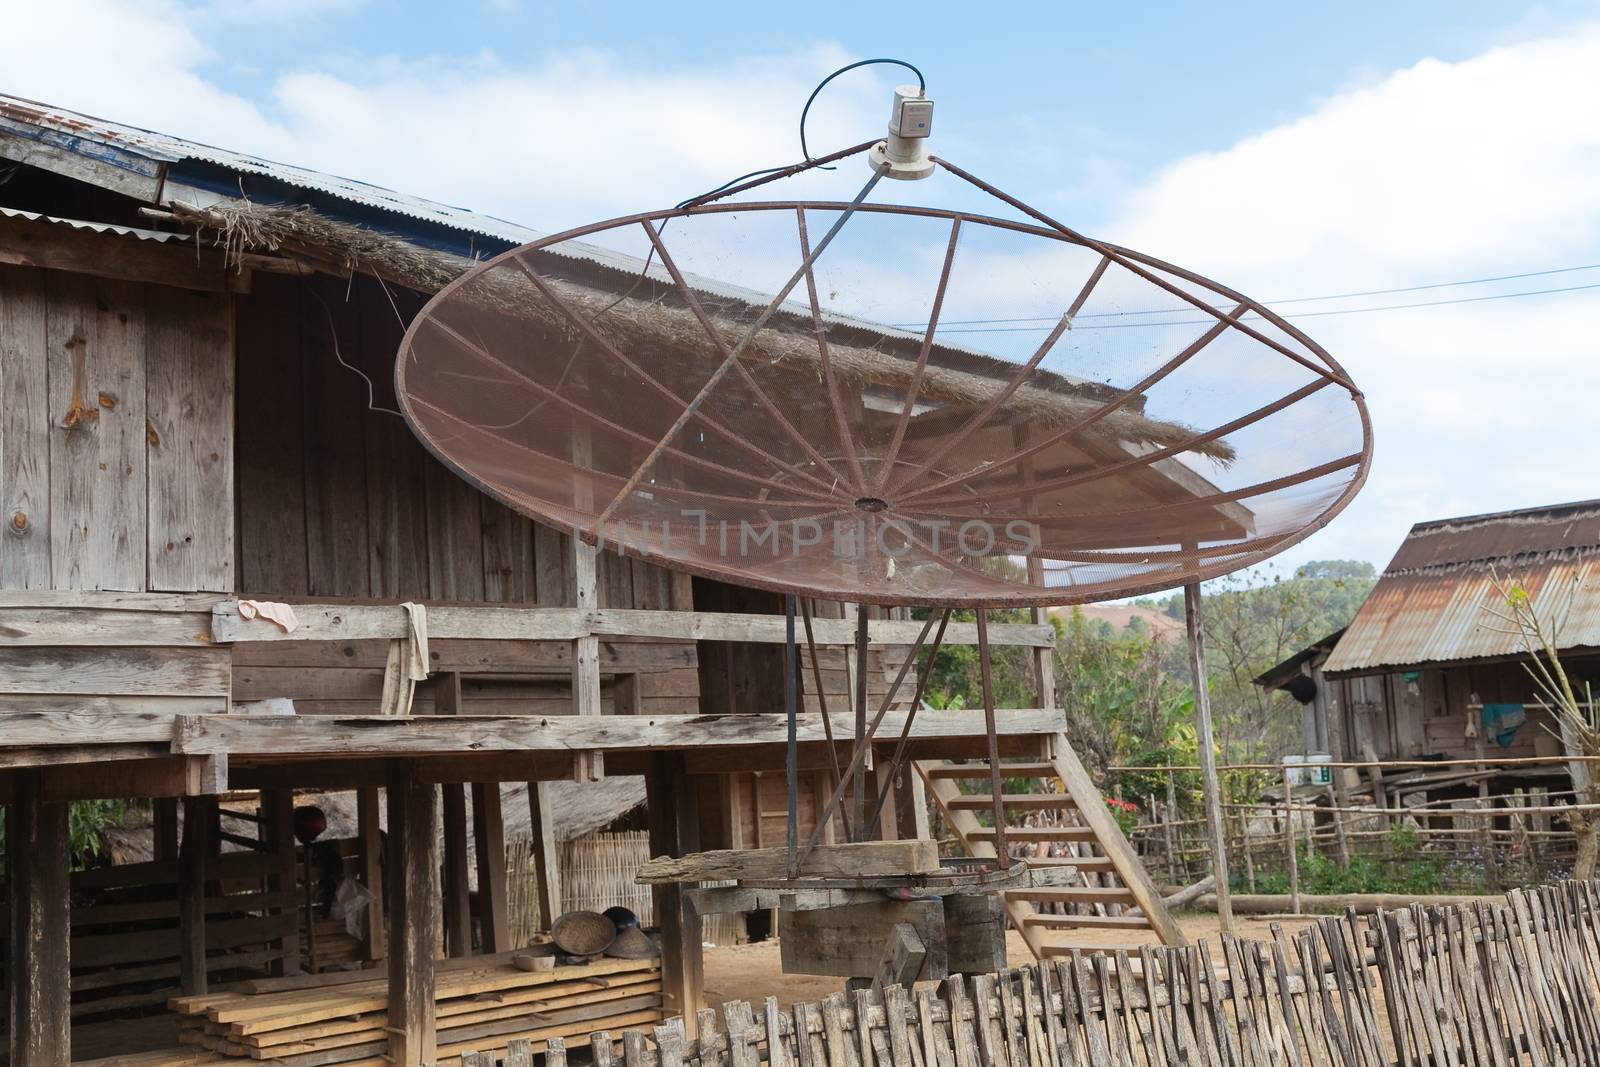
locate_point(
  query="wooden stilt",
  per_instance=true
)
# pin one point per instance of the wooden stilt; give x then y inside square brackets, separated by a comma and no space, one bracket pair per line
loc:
[456,890]
[546,853]
[192,853]
[37,863]
[164,818]
[489,839]
[413,914]
[371,870]
[675,830]
[277,826]
[1210,786]
[453,798]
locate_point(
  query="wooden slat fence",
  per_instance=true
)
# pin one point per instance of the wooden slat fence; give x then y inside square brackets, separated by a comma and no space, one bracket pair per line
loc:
[1488,984]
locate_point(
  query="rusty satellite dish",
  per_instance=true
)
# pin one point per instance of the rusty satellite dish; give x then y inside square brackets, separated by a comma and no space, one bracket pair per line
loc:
[872,402]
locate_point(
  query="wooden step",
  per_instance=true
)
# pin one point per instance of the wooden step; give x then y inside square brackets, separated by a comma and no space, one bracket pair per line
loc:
[1083,863]
[1074,895]
[1086,922]
[1018,834]
[1012,802]
[975,771]
[1055,950]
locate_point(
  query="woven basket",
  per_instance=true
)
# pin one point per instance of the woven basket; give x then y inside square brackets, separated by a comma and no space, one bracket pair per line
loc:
[583,933]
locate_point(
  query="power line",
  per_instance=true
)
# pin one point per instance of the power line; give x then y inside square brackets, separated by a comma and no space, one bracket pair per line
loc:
[1051,321]
[1300,315]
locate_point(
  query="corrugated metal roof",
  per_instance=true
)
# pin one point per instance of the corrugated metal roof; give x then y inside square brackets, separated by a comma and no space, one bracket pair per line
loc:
[144,151]
[159,236]
[1436,602]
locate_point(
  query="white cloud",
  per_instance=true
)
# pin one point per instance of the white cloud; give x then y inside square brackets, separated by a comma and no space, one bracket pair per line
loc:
[1439,172]
[1436,172]
[551,143]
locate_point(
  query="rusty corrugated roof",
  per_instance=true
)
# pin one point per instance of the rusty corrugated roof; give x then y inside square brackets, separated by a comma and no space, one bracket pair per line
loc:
[1436,602]
[118,151]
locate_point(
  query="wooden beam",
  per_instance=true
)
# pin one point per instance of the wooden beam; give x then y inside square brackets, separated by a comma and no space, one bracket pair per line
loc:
[310,735]
[193,852]
[45,625]
[903,958]
[863,859]
[57,246]
[413,914]
[65,755]
[37,863]
[674,831]
[546,852]
[161,776]
[351,622]
[975,933]
[371,838]
[489,839]
[850,941]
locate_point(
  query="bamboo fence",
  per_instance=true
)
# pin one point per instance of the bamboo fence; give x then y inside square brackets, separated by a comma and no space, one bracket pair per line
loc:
[1491,985]
[1482,836]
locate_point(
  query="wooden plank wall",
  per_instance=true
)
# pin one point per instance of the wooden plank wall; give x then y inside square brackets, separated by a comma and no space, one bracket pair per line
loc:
[116,435]
[1406,719]
[337,498]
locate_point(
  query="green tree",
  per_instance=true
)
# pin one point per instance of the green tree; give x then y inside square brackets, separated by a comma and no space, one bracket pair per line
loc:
[1256,620]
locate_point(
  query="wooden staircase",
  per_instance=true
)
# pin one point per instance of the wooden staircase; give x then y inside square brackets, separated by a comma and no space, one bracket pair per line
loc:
[1114,881]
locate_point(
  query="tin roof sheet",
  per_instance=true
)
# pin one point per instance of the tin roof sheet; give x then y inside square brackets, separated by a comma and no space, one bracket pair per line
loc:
[1436,602]
[159,236]
[131,147]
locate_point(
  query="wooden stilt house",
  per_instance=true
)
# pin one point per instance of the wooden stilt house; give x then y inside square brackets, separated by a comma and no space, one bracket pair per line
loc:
[197,428]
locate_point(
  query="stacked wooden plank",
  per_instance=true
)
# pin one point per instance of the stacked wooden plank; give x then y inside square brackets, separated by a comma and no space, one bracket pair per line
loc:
[482,1004]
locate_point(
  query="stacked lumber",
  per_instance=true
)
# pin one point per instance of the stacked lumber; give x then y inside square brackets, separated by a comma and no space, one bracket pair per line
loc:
[482,1004]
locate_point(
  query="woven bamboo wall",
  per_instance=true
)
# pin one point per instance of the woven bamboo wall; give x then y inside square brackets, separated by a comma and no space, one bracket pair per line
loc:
[597,872]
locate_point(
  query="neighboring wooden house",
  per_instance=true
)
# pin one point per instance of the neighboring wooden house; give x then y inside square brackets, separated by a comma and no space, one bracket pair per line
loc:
[195,414]
[1410,677]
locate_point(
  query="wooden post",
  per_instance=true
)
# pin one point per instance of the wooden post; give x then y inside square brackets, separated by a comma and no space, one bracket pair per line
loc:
[164,819]
[1166,831]
[546,853]
[587,766]
[1289,841]
[675,830]
[277,813]
[413,914]
[911,802]
[457,891]
[456,879]
[371,869]
[1044,659]
[1210,787]
[38,965]
[192,852]
[489,838]
[1245,852]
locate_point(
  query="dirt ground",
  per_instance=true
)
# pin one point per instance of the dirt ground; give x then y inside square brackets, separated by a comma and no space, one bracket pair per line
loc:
[755,972]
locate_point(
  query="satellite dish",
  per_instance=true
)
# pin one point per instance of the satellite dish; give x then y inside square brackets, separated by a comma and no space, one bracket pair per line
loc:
[884,403]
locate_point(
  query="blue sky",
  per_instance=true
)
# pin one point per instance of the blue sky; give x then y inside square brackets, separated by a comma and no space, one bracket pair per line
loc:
[1285,149]
[1100,87]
